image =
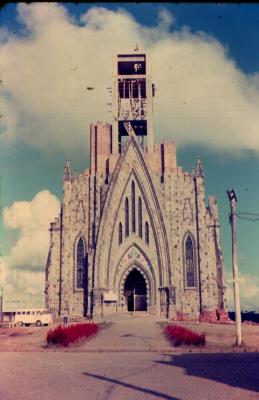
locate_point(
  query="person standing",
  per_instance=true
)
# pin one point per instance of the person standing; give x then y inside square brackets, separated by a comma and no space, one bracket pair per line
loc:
[65,317]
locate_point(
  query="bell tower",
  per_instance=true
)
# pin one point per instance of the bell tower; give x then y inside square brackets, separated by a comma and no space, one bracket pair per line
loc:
[133,100]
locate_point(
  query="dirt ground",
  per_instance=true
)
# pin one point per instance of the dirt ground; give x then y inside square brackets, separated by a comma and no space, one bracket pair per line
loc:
[218,337]
[23,338]
[223,337]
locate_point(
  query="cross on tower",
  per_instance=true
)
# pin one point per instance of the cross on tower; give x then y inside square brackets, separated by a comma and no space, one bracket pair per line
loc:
[137,48]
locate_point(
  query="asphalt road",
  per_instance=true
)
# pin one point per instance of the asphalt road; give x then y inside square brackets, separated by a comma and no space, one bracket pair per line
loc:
[129,360]
[128,376]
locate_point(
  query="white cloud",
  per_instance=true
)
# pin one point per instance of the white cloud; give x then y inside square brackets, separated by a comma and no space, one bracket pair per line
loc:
[23,268]
[249,292]
[3,271]
[202,96]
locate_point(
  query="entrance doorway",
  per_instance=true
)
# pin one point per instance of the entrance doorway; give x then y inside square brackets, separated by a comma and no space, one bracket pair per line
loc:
[135,291]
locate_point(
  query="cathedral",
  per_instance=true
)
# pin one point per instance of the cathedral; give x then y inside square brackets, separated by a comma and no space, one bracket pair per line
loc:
[135,232]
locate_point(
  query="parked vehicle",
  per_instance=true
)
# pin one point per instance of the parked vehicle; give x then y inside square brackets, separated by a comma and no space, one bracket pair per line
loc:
[28,317]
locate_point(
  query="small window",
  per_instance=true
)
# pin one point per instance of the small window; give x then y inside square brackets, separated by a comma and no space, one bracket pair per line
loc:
[140,217]
[133,216]
[18,313]
[28,313]
[126,217]
[146,233]
[190,272]
[80,264]
[120,233]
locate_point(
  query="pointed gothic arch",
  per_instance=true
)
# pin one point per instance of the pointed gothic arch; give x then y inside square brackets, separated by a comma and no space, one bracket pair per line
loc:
[135,257]
[133,207]
[126,217]
[120,233]
[117,191]
[189,261]
[140,217]
[80,263]
[146,233]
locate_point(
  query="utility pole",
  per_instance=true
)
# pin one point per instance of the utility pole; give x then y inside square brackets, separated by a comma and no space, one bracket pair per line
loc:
[233,201]
[1,305]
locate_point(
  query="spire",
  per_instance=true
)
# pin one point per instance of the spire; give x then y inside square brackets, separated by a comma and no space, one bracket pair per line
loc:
[199,169]
[67,174]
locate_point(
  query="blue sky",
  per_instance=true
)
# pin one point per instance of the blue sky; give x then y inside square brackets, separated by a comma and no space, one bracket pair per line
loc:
[206,64]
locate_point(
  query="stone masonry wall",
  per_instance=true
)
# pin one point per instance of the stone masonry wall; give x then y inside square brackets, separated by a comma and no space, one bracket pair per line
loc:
[173,205]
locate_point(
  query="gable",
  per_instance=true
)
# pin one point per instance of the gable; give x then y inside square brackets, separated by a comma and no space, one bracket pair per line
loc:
[131,167]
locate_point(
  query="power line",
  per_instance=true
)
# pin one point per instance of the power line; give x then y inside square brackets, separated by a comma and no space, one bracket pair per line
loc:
[248,216]
[248,213]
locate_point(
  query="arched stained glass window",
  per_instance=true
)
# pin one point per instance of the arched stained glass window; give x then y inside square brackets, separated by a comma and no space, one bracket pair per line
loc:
[146,233]
[140,217]
[126,217]
[133,216]
[120,233]
[189,263]
[80,264]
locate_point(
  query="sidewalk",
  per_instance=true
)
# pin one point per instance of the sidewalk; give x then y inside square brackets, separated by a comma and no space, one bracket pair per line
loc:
[143,333]
[131,333]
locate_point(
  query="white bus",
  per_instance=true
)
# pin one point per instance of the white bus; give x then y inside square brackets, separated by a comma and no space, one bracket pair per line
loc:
[37,316]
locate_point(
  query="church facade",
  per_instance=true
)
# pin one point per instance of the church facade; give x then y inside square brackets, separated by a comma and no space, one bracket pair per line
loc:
[135,232]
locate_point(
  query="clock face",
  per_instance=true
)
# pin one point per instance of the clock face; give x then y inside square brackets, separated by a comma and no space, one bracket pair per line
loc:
[131,67]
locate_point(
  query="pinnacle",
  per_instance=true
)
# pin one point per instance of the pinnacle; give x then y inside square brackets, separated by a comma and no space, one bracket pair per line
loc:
[199,168]
[67,174]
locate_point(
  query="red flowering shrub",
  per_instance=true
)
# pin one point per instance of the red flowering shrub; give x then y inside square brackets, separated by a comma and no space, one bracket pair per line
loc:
[63,336]
[180,335]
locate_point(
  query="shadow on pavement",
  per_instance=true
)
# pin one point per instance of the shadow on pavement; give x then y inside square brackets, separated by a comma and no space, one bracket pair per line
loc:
[239,370]
[132,387]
